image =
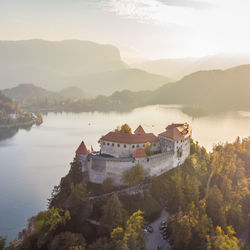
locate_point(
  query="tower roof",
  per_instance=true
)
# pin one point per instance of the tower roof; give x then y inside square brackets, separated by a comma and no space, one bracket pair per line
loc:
[139,130]
[129,138]
[82,149]
[139,153]
[177,131]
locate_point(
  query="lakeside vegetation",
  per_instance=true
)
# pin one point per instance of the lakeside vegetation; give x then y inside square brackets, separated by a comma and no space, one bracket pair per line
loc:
[207,197]
[11,114]
[12,118]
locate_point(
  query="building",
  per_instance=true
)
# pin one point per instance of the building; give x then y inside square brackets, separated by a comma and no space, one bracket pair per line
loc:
[121,151]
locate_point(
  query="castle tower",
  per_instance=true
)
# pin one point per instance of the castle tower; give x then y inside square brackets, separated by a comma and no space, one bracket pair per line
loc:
[82,152]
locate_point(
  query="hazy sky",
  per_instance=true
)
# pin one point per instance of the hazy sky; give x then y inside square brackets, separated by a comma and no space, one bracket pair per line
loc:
[140,28]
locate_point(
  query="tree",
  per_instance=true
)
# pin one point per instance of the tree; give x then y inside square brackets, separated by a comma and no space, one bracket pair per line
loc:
[114,214]
[68,240]
[215,206]
[107,185]
[132,237]
[2,242]
[125,128]
[222,241]
[46,222]
[134,176]
[147,148]
[76,171]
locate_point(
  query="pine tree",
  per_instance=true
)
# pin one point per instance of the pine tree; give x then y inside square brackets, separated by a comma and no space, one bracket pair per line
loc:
[114,214]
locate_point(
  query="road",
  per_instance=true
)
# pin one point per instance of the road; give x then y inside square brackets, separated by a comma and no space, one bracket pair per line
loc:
[154,240]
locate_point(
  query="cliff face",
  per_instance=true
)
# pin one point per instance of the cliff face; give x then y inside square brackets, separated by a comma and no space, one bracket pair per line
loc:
[54,63]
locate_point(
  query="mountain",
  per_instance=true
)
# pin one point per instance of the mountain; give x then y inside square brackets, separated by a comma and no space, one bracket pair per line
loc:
[57,65]
[48,63]
[180,67]
[131,79]
[215,89]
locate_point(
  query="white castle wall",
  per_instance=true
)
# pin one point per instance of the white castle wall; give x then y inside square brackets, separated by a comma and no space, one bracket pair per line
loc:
[124,150]
[99,168]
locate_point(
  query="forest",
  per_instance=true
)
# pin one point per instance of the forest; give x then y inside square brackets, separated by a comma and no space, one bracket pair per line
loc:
[207,197]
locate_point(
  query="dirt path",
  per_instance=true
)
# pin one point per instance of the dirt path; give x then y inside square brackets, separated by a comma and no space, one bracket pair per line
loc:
[208,185]
[154,240]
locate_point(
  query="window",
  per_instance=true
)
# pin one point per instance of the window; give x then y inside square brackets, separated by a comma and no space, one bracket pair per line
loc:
[108,143]
[137,145]
[133,146]
[118,145]
[113,144]
[103,143]
[125,145]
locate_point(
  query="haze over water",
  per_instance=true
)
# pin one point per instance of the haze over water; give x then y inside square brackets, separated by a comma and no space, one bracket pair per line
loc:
[32,162]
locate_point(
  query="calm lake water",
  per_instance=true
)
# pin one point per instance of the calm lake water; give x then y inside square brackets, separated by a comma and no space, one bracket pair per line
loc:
[33,161]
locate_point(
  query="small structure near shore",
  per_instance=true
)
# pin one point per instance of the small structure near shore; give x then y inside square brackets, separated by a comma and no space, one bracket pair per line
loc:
[120,151]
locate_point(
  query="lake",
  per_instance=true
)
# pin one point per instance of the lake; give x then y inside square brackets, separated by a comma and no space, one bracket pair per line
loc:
[32,162]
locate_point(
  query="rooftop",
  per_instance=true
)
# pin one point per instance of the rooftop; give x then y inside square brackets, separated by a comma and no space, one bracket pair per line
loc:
[82,149]
[139,130]
[177,131]
[129,138]
[139,153]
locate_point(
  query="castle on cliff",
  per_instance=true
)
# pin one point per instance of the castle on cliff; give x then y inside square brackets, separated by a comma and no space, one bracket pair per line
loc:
[121,151]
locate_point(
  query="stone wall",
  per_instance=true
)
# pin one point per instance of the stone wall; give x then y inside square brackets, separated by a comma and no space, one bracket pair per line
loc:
[124,150]
[99,168]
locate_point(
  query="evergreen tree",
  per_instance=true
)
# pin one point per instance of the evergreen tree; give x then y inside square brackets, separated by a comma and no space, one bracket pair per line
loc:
[134,176]
[132,237]
[114,214]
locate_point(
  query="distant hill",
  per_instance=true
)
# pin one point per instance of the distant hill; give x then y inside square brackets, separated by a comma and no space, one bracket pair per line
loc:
[215,89]
[28,94]
[131,79]
[57,65]
[27,91]
[180,67]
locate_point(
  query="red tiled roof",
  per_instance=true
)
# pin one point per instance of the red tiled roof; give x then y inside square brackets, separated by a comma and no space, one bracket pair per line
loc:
[139,130]
[139,153]
[176,131]
[82,149]
[129,138]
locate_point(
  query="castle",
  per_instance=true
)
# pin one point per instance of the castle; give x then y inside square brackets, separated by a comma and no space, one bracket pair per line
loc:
[121,151]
